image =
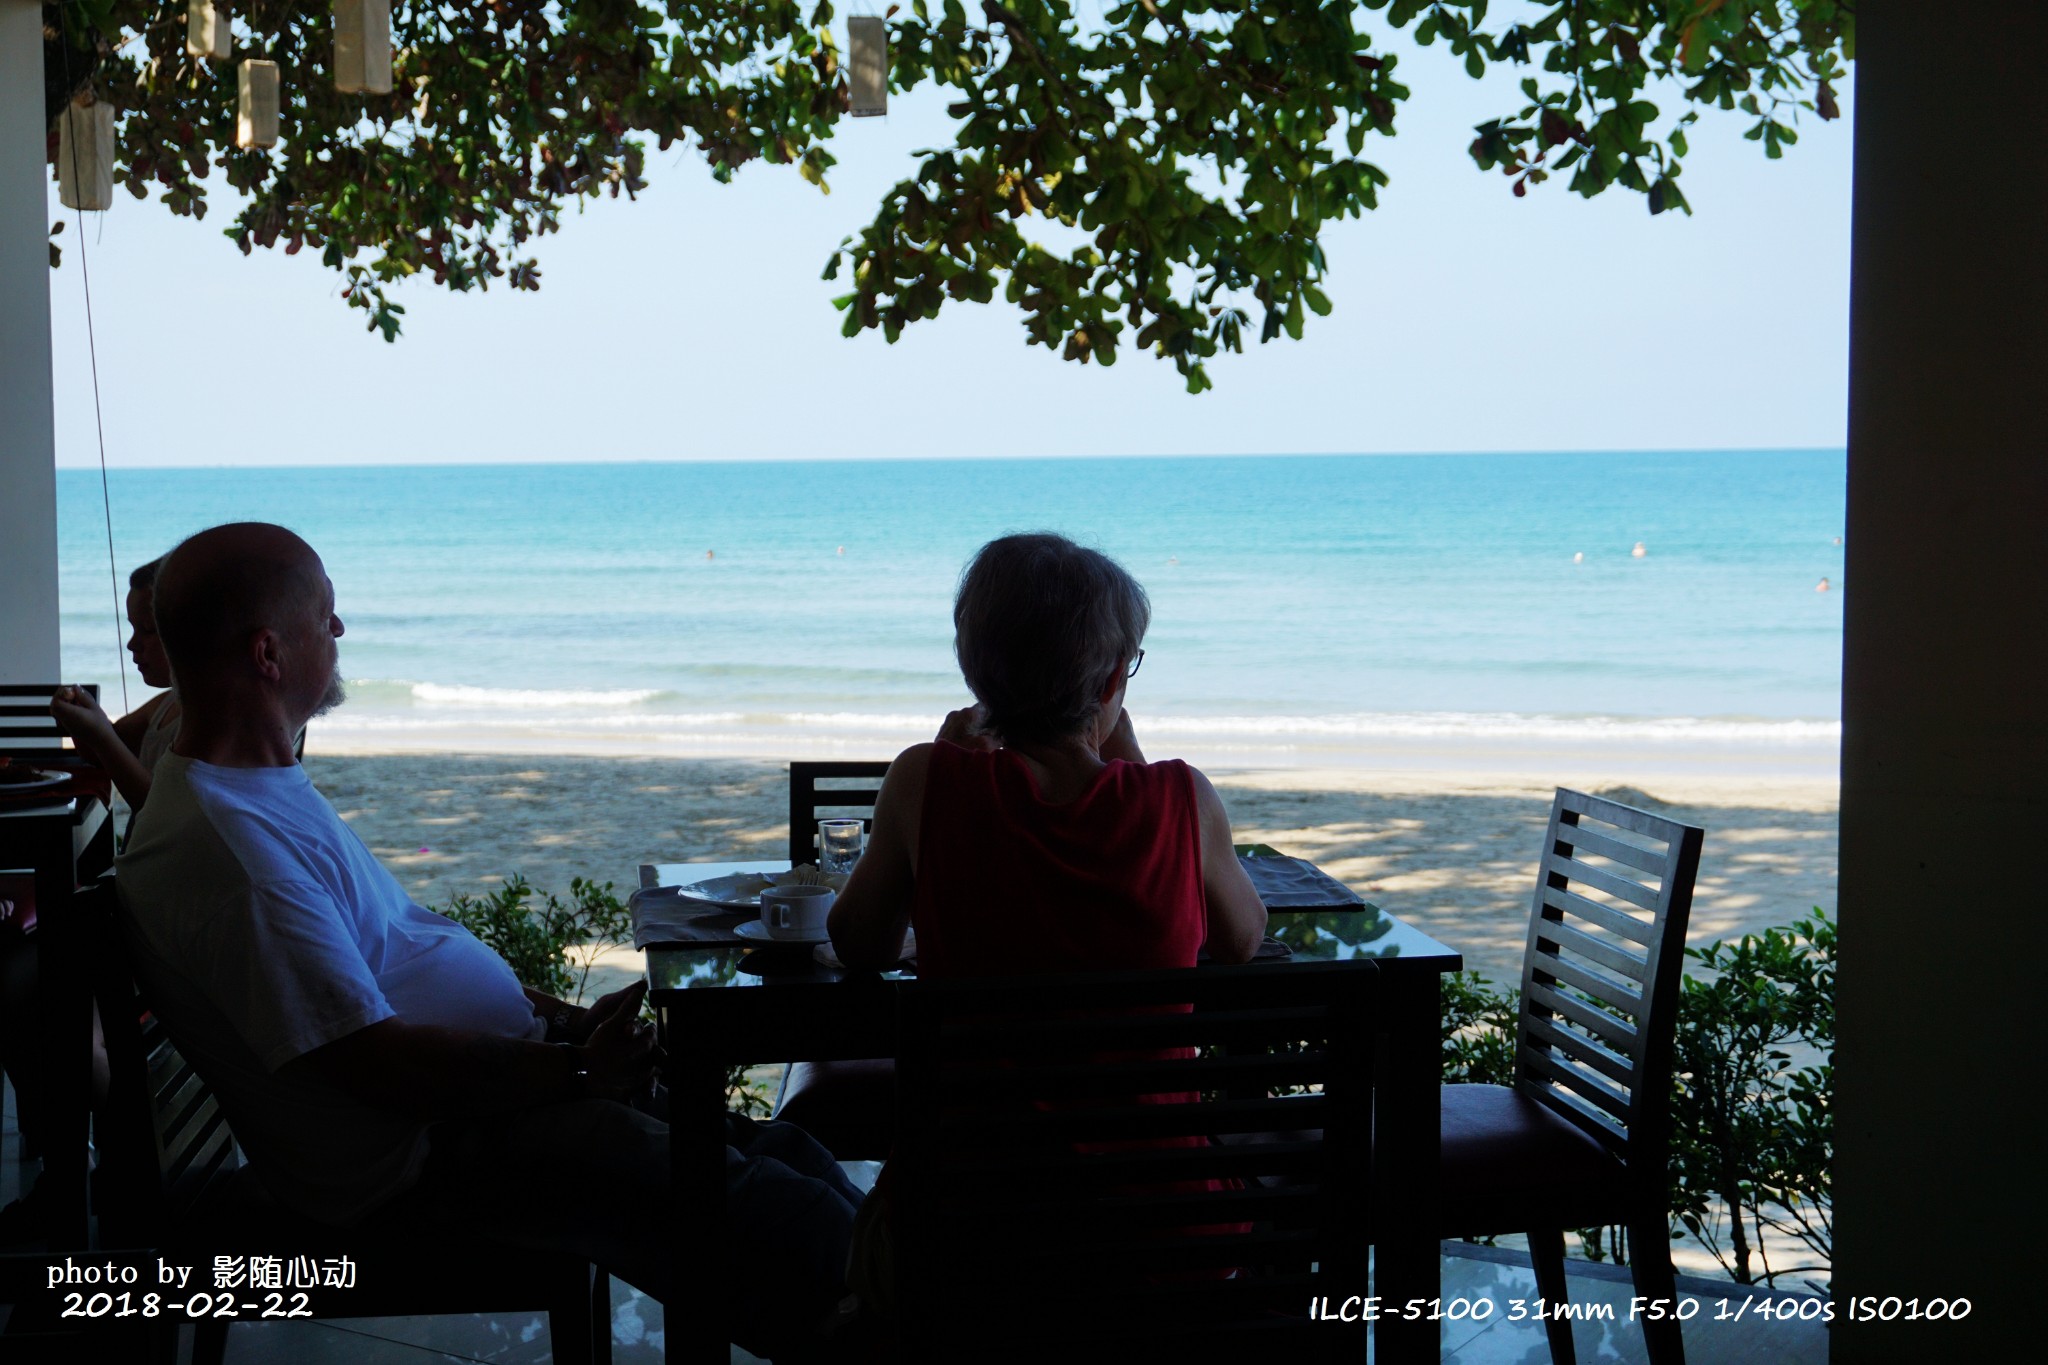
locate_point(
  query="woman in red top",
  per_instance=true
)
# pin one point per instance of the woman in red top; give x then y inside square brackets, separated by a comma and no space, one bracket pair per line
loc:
[1032,835]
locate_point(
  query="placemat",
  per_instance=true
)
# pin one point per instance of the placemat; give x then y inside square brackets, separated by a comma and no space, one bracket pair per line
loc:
[667,918]
[1285,883]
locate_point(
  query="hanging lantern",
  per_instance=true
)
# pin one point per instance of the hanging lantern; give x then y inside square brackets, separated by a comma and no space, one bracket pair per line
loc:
[85,156]
[362,46]
[256,104]
[206,31]
[867,42]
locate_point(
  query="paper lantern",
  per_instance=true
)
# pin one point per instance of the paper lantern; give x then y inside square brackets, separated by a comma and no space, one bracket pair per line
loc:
[362,46]
[206,31]
[85,156]
[867,68]
[256,104]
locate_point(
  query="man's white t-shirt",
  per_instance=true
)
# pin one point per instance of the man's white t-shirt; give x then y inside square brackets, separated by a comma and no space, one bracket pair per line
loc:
[262,928]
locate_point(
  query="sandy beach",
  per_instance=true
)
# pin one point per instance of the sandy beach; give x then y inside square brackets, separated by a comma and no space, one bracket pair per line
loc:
[1452,851]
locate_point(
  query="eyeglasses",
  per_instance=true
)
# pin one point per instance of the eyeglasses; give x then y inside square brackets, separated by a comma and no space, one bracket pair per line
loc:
[1132,671]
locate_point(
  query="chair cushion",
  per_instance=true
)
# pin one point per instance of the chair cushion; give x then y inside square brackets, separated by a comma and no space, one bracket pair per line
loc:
[1511,1164]
[849,1107]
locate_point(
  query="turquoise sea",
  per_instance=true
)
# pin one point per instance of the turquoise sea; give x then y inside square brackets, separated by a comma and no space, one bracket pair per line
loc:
[1305,608]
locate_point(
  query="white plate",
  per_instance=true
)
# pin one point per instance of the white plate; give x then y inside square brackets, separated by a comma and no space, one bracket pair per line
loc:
[44,780]
[740,891]
[755,931]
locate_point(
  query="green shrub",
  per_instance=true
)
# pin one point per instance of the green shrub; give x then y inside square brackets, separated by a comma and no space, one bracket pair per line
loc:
[1478,1031]
[1752,1127]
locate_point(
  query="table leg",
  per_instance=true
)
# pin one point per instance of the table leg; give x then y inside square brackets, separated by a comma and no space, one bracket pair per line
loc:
[1407,1266]
[697,1311]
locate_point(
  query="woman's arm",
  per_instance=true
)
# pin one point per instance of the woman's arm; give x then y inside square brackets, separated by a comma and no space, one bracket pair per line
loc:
[100,740]
[870,915]
[1237,917]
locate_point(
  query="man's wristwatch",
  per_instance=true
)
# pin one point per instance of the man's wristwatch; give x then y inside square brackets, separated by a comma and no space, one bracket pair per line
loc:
[579,1075]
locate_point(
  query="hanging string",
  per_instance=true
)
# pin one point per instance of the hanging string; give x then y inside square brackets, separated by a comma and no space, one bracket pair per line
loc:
[93,354]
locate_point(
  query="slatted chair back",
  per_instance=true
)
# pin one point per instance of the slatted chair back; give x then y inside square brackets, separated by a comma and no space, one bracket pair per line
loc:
[1600,976]
[1046,1196]
[27,730]
[163,1139]
[829,791]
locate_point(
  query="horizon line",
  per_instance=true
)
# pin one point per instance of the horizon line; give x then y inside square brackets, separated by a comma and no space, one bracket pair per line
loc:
[515,462]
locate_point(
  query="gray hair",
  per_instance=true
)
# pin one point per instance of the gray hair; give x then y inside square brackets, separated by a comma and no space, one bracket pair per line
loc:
[1040,627]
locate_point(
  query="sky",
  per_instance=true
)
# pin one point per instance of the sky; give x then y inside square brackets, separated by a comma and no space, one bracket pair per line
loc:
[692,325]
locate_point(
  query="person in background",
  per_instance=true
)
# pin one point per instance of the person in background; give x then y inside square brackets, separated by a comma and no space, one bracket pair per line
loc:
[128,748]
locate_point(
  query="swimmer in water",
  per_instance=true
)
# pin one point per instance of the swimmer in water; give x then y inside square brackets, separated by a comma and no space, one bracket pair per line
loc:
[1821,586]
[1640,550]
[1579,558]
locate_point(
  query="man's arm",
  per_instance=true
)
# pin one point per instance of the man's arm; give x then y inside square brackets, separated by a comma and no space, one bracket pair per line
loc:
[431,1073]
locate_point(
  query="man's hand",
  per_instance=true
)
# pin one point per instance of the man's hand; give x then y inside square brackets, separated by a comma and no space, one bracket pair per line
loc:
[582,1023]
[620,1056]
[965,728]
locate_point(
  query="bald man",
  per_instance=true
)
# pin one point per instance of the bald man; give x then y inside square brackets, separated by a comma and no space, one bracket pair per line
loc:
[378,1063]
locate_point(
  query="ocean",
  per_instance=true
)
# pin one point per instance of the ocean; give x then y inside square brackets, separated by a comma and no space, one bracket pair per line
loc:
[1306,610]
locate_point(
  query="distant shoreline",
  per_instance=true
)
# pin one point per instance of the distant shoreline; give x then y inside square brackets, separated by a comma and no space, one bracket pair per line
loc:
[499,462]
[1813,758]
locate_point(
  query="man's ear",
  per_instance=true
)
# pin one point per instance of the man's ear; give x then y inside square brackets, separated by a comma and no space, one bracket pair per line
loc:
[266,653]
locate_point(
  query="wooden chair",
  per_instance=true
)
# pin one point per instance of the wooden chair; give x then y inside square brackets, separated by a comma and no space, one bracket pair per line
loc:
[1581,1139]
[1038,1206]
[810,800]
[172,1178]
[40,862]
[848,1106]
[27,729]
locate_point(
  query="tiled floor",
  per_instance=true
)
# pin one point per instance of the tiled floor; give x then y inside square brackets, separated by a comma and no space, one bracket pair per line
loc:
[1482,1287]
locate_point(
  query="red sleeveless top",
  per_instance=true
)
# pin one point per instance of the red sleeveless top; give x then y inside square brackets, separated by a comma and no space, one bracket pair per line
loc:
[1008,884]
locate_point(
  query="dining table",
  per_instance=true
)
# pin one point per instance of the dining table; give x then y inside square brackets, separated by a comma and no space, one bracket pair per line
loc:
[722,1001]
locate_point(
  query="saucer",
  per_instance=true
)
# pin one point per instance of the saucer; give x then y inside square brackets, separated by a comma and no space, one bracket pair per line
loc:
[756,932]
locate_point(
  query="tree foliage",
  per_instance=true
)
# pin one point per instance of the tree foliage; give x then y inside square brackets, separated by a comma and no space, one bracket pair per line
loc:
[1156,174]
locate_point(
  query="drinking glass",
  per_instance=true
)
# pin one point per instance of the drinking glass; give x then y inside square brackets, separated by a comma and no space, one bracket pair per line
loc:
[840,844]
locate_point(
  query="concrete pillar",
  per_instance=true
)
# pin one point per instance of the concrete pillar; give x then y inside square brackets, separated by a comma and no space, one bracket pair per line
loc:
[28,434]
[1944,890]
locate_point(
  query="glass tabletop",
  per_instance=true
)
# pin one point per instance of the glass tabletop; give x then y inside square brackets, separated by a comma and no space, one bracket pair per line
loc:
[1315,934]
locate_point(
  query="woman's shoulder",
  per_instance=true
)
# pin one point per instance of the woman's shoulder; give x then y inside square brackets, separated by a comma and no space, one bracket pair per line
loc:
[1171,773]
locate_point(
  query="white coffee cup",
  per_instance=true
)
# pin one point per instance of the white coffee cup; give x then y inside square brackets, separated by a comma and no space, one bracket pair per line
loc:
[796,912]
